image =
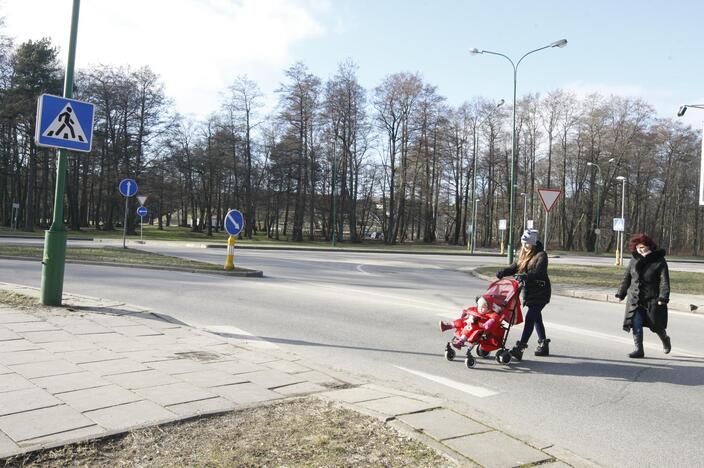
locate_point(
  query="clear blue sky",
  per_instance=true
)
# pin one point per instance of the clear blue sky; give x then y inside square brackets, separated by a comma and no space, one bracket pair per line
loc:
[647,49]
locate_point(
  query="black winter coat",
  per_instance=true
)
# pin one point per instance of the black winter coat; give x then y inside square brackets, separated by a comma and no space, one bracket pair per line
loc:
[536,289]
[646,281]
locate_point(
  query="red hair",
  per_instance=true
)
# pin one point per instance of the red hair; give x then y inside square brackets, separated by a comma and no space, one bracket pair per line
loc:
[641,239]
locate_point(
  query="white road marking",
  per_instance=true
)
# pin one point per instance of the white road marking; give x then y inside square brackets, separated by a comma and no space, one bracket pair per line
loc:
[473,390]
[239,335]
[360,268]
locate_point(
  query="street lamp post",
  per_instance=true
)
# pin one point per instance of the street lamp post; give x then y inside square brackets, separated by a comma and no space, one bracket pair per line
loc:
[680,113]
[597,230]
[619,250]
[474,172]
[474,227]
[512,196]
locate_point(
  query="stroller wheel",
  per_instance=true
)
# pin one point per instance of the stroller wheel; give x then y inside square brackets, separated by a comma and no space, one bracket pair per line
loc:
[470,362]
[449,352]
[481,353]
[503,357]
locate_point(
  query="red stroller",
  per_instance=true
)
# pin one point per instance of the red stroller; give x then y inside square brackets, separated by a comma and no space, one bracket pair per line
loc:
[488,331]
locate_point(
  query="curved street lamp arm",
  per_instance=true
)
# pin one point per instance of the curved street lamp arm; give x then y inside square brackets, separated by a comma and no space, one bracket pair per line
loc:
[504,56]
[532,52]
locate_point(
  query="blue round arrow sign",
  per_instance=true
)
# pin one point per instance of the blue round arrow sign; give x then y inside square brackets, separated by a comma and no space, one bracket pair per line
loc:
[234,222]
[142,211]
[128,187]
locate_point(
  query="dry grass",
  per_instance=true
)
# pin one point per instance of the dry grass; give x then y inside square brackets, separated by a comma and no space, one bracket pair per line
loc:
[17,300]
[295,433]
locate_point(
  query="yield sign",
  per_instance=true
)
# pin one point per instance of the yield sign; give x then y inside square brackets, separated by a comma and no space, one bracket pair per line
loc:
[549,197]
[142,199]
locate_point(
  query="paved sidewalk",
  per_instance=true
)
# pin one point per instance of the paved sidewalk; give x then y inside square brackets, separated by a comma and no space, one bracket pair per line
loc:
[95,368]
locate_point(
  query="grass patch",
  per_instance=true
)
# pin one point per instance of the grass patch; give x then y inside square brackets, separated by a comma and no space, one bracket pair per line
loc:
[295,433]
[113,255]
[682,282]
[17,300]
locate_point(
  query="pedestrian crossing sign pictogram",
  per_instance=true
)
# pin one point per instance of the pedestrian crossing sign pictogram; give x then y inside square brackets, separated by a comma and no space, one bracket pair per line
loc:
[64,123]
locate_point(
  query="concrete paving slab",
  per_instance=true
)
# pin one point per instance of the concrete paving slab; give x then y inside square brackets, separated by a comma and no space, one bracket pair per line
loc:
[194,408]
[4,370]
[303,388]
[234,367]
[28,399]
[23,357]
[130,415]
[115,366]
[97,355]
[32,370]
[177,366]
[198,341]
[287,366]
[51,336]
[65,436]
[11,382]
[142,379]
[148,355]
[31,326]
[396,405]
[443,424]
[69,382]
[17,345]
[7,334]
[7,446]
[175,393]
[255,357]
[211,378]
[319,378]
[355,395]
[111,321]
[246,393]
[555,464]
[272,378]
[99,397]
[86,327]
[138,330]
[159,341]
[17,317]
[78,344]
[496,450]
[226,349]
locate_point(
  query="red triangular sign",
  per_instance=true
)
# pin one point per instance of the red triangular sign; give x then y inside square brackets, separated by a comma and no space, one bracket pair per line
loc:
[549,197]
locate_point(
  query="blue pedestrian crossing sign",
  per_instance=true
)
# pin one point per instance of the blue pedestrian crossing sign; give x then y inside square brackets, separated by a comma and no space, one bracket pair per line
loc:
[142,211]
[64,123]
[234,222]
[128,187]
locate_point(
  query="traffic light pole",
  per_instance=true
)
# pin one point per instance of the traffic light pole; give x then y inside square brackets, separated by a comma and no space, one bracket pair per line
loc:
[54,257]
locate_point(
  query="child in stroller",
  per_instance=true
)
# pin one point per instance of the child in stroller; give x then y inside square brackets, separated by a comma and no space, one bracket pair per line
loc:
[486,325]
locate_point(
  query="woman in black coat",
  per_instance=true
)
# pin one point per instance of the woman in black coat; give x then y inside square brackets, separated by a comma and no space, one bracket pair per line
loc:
[532,264]
[646,285]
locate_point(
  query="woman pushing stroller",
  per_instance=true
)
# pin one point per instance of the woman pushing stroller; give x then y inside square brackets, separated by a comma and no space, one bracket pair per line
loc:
[532,264]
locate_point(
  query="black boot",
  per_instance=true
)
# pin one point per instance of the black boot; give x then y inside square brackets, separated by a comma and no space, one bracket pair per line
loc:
[517,351]
[666,343]
[543,348]
[638,341]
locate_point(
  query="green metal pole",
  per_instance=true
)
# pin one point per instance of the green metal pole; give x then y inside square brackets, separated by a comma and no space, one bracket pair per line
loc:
[54,257]
[512,188]
[473,235]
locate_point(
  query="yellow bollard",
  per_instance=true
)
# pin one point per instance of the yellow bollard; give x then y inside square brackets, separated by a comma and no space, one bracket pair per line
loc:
[618,258]
[229,262]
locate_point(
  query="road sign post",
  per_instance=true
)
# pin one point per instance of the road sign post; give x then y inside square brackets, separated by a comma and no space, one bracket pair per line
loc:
[142,212]
[54,258]
[549,198]
[234,223]
[502,229]
[127,187]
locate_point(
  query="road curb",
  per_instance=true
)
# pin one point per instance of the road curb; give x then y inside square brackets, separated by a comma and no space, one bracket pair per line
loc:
[250,274]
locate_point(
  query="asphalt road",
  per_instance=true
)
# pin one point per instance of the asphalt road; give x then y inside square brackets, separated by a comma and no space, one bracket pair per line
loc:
[375,316]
